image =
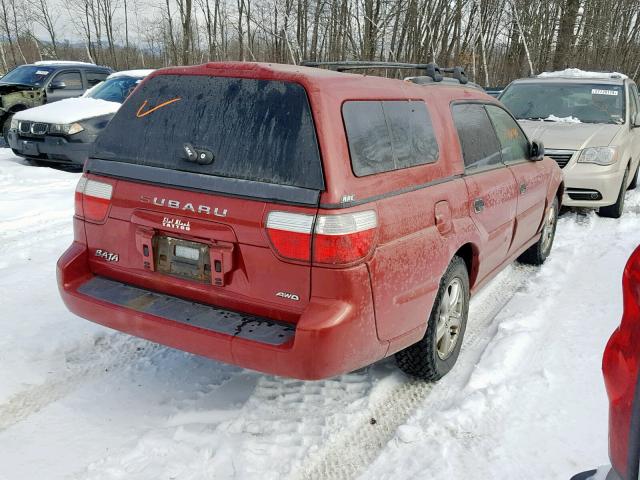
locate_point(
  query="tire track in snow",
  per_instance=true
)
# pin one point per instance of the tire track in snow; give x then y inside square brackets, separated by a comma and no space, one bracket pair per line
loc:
[83,364]
[349,454]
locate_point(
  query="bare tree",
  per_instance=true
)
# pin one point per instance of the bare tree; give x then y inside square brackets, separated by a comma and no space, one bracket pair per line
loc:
[42,14]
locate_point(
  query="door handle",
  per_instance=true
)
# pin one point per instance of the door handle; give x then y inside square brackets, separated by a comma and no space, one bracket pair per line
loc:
[523,188]
[478,205]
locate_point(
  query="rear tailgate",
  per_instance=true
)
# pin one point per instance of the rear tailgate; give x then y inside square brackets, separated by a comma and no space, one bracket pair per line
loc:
[192,190]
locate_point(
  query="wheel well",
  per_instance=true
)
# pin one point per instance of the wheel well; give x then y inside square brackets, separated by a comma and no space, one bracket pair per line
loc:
[468,253]
[11,111]
[17,108]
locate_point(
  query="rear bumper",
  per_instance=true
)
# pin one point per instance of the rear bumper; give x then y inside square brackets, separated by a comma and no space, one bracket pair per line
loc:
[331,336]
[50,149]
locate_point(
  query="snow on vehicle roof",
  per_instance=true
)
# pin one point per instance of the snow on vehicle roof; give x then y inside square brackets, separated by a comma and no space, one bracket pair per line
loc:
[131,73]
[577,73]
[62,62]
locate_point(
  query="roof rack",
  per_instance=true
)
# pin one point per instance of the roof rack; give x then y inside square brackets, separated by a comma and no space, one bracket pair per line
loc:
[431,69]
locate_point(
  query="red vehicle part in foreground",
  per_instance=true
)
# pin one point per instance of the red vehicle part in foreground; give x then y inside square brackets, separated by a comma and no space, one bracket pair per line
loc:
[620,366]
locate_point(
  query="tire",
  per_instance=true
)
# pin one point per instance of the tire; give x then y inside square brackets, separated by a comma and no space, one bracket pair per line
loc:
[6,125]
[634,180]
[537,253]
[615,210]
[432,357]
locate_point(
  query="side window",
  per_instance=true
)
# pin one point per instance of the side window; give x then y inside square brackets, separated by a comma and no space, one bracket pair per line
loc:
[388,135]
[94,78]
[72,80]
[480,146]
[515,146]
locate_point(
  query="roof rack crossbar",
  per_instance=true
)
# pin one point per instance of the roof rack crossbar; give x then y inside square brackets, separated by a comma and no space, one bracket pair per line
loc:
[431,69]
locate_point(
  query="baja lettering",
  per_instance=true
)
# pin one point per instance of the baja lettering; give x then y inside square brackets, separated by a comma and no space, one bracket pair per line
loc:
[108,256]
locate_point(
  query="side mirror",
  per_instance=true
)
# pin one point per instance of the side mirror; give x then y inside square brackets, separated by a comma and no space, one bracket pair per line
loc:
[536,150]
[57,85]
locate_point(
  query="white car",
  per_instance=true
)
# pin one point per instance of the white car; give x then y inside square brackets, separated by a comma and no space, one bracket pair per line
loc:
[64,131]
[588,122]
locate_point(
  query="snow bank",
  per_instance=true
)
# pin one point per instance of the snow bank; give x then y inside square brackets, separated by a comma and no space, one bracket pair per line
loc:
[577,73]
[141,73]
[68,111]
[553,118]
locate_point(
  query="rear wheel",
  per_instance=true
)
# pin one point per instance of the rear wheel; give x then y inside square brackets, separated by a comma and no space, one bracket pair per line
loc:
[615,210]
[537,253]
[433,356]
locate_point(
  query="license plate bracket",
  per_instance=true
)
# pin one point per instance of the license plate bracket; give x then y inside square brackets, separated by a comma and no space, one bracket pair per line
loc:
[182,258]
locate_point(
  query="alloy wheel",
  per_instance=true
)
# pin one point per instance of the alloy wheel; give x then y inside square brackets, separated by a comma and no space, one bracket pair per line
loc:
[449,319]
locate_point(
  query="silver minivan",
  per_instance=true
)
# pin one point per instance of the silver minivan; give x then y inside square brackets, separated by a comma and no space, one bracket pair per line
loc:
[588,122]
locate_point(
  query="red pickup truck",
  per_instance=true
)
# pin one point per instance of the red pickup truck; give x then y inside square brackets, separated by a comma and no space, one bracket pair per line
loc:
[302,221]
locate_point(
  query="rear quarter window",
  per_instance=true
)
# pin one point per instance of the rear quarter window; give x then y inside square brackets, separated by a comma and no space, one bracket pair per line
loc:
[388,135]
[259,130]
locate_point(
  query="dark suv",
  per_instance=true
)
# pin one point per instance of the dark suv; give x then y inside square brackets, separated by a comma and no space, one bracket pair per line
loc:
[301,221]
[31,85]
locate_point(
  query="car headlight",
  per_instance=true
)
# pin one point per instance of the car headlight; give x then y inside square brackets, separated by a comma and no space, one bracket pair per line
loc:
[66,128]
[14,123]
[598,155]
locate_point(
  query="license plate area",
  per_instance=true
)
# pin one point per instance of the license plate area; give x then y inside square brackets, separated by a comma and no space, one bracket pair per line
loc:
[182,258]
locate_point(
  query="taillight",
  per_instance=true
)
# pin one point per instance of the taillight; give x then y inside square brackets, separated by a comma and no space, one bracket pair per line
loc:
[92,199]
[290,234]
[78,196]
[337,239]
[344,238]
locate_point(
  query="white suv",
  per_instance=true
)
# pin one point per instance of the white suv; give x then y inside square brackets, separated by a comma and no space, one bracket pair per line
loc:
[589,123]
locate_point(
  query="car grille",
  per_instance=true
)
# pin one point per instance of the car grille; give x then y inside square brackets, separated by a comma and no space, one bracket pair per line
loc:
[31,129]
[561,157]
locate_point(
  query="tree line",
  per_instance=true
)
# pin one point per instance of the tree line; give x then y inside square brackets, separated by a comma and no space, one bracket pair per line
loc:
[494,40]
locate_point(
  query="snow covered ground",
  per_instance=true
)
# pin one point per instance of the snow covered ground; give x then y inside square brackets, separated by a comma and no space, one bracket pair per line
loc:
[526,400]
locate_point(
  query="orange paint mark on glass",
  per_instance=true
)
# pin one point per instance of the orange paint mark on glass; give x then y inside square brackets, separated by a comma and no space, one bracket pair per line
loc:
[512,133]
[140,113]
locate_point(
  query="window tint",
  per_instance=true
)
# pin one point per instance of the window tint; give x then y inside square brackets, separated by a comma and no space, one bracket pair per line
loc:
[480,146]
[388,135]
[94,78]
[72,80]
[260,130]
[515,146]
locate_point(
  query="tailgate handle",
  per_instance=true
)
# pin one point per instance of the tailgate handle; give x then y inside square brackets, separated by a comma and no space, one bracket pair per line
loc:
[144,244]
[221,256]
